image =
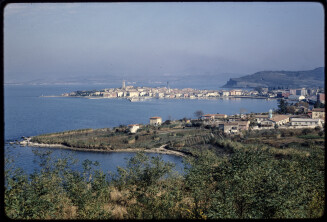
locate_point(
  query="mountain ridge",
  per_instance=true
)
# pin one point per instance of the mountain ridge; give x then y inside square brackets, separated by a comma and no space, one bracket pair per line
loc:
[285,79]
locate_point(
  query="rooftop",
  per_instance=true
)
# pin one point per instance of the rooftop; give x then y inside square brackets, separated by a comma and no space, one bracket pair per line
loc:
[279,118]
[318,110]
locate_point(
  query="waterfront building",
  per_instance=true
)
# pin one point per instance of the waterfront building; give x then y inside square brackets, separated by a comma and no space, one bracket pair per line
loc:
[155,121]
[133,93]
[235,92]
[225,93]
[212,117]
[120,94]
[133,128]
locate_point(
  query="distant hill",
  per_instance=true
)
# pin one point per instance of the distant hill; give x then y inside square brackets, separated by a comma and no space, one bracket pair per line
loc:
[285,79]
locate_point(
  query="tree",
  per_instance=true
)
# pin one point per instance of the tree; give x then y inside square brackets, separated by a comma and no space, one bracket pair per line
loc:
[290,109]
[198,114]
[318,104]
[282,106]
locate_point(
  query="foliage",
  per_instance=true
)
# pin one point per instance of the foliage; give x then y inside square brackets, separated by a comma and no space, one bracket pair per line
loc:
[282,106]
[253,181]
[198,114]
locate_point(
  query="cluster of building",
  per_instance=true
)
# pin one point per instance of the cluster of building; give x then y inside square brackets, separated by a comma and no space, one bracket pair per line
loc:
[235,124]
[138,93]
[310,95]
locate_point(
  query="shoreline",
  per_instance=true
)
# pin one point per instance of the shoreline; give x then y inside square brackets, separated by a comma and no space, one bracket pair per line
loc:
[159,150]
[150,98]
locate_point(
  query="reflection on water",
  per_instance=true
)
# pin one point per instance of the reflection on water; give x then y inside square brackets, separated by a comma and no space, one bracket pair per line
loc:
[25,159]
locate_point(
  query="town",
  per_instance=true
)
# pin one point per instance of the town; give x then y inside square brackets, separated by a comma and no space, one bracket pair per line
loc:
[132,93]
[239,123]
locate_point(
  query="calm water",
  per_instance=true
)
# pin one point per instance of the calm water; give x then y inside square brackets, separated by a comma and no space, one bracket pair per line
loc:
[28,114]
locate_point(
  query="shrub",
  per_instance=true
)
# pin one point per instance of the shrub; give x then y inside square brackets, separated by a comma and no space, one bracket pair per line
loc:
[306,131]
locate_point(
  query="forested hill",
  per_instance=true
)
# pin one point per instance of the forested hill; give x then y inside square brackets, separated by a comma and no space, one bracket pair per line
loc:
[285,79]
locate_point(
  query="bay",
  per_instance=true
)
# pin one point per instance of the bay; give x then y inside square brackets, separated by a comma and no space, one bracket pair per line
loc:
[28,114]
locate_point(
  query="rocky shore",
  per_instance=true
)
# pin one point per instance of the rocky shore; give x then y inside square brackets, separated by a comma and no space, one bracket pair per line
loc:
[161,150]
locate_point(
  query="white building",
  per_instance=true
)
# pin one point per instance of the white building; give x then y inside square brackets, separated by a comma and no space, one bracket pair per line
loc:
[155,121]
[133,93]
[133,128]
[305,122]
[296,97]
[225,93]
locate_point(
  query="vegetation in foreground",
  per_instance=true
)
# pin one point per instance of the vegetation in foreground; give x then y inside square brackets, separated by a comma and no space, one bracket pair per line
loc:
[255,180]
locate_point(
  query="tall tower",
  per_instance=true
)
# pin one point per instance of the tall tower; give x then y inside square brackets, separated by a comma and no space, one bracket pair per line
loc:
[270,113]
[123,85]
[168,87]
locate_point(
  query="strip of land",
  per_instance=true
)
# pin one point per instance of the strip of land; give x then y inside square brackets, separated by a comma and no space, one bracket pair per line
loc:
[160,150]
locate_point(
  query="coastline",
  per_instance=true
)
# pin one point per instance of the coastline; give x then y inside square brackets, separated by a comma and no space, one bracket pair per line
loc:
[159,150]
[139,99]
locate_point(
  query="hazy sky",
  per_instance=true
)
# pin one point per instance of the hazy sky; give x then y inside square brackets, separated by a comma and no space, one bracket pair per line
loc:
[151,39]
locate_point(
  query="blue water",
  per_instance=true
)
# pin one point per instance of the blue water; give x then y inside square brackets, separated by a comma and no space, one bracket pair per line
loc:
[28,114]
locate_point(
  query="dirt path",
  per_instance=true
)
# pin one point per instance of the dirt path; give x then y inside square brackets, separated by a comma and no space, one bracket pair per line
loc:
[161,149]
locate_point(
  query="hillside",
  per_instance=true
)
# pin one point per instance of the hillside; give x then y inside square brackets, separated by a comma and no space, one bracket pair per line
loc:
[285,79]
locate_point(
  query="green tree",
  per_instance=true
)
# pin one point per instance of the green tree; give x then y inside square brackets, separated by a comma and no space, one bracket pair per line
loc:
[198,114]
[282,106]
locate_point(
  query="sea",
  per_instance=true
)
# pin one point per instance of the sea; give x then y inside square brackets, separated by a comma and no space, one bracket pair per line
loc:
[28,113]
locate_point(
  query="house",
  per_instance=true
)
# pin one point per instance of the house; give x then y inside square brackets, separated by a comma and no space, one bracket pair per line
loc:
[243,125]
[133,93]
[160,95]
[225,93]
[280,119]
[120,94]
[212,117]
[260,118]
[155,121]
[235,92]
[267,123]
[208,117]
[318,113]
[229,127]
[321,97]
[305,122]
[220,116]
[133,128]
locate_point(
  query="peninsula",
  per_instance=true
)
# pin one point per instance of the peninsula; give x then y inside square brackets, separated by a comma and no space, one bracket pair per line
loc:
[187,136]
[280,79]
[134,94]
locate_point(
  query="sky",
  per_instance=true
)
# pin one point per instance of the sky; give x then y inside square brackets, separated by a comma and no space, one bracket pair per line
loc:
[53,41]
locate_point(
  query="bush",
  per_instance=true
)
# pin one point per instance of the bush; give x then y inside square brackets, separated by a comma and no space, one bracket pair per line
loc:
[306,131]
